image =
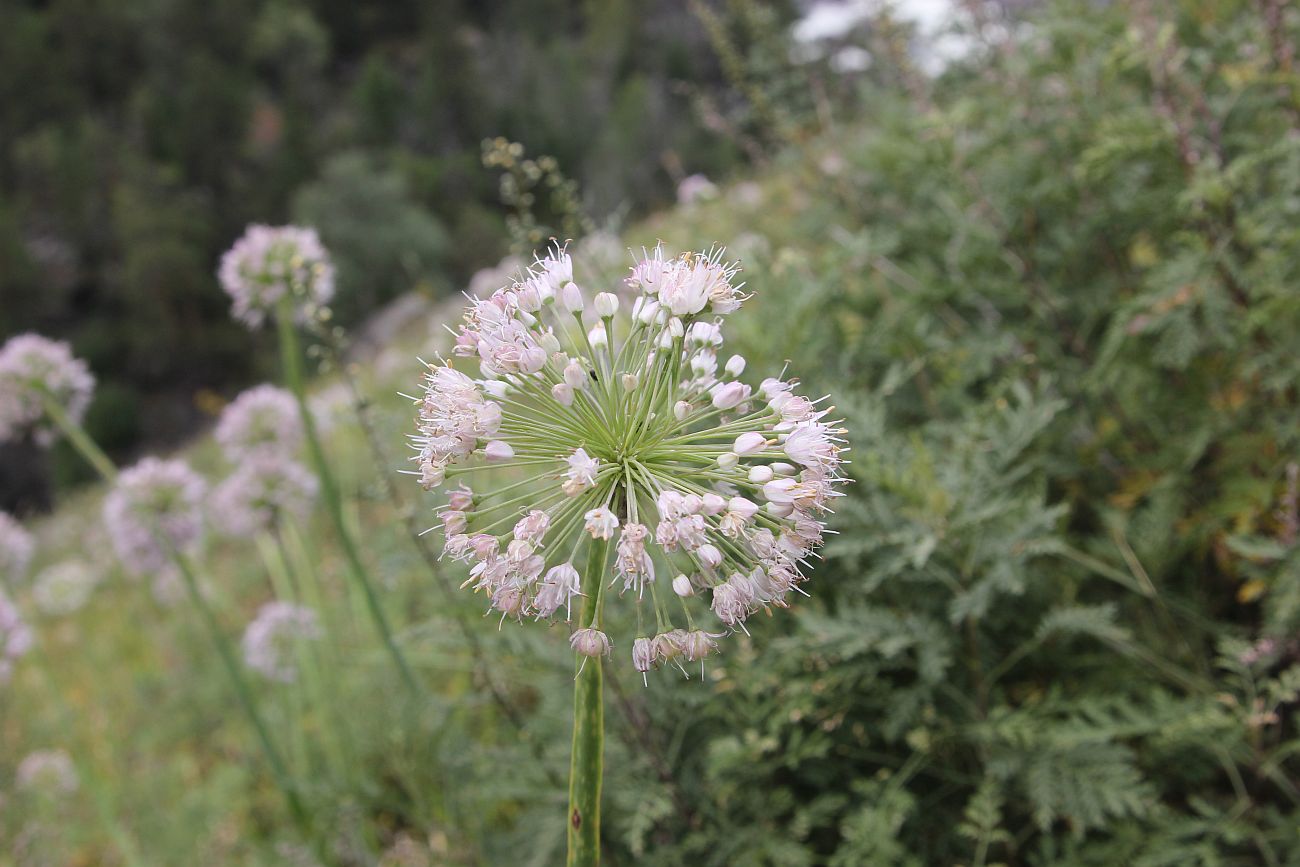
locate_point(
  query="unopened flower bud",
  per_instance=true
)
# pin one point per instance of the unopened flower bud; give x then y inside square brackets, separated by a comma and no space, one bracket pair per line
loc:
[597,336]
[645,310]
[682,586]
[606,304]
[681,409]
[675,327]
[498,450]
[630,382]
[549,342]
[730,395]
[713,504]
[735,365]
[563,393]
[728,460]
[590,642]
[571,298]
[574,375]
[781,468]
[709,556]
[760,475]
[749,443]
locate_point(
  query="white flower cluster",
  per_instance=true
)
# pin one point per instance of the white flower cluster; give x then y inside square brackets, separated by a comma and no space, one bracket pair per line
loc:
[16,549]
[270,641]
[270,262]
[47,772]
[262,420]
[607,426]
[154,508]
[15,637]
[260,492]
[64,588]
[33,368]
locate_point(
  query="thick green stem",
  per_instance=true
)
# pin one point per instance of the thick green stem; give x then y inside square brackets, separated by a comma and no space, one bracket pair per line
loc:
[80,440]
[586,768]
[291,358]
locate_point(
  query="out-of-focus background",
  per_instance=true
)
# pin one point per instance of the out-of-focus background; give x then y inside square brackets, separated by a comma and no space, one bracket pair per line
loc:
[1045,255]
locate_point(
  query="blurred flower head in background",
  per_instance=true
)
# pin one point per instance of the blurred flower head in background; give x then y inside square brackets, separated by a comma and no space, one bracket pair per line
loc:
[271,262]
[154,508]
[270,640]
[47,772]
[16,549]
[260,492]
[262,420]
[15,637]
[626,427]
[696,188]
[63,588]
[33,368]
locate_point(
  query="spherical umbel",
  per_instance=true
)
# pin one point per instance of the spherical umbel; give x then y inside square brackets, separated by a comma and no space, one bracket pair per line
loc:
[625,431]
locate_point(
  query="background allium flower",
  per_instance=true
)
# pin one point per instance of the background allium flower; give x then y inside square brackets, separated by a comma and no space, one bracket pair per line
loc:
[31,365]
[15,637]
[696,188]
[155,505]
[65,587]
[632,431]
[47,772]
[16,548]
[269,262]
[263,419]
[269,641]
[256,495]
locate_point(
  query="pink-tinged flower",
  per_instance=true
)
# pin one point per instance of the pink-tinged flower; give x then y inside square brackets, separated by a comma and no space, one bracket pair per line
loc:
[154,509]
[49,773]
[633,426]
[16,637]
[581,474]
[263,491]
[270,642]
[271,262]
[16,549]
[32,370]
[601,523]
[590,642]
[263,419]
[558,588]
[696,188]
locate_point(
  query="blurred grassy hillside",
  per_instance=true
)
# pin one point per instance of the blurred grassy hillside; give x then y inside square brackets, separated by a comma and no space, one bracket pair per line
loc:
[1054,294]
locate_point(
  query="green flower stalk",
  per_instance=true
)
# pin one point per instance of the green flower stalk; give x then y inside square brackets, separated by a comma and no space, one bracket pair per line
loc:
[599,430]
[285,273]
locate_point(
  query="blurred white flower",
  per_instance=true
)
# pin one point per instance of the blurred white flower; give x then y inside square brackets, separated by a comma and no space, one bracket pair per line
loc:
[263,419]
[16,549]
[155,508]
[264,489]
[33,368]
[270,640]
[270,262]
[65,587]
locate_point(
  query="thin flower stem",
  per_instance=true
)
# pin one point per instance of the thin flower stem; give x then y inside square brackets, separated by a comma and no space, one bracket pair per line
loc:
[587,765]
[80,440]
[243,691]
[291,358]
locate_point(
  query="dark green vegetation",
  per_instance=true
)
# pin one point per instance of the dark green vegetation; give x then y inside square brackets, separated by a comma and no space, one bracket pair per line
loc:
[140,138]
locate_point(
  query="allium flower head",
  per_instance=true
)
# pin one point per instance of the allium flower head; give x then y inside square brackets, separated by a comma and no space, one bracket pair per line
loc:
[584,425]
[270,262]
[65,587]
[16,548]
[156,506]
[15,637]
[263,419]
[269,641]
[260,492]
[47,772]
[32,367]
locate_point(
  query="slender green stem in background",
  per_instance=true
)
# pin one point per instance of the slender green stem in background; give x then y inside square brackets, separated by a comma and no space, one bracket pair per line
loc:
[291,358]
[80,440]
[242,689]
[586,768]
